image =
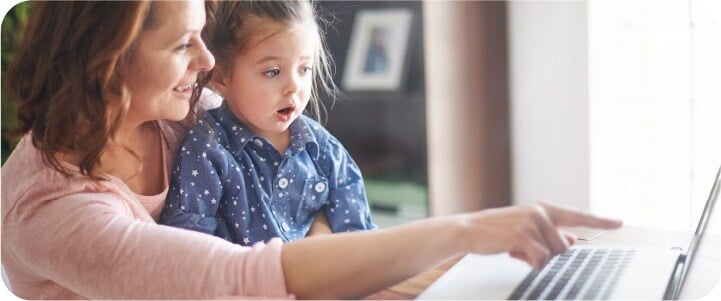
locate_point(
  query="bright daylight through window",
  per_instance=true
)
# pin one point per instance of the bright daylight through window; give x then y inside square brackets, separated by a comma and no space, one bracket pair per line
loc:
[655,109]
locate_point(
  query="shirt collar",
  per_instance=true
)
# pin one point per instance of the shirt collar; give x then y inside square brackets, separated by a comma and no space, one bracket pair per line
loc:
[301,136]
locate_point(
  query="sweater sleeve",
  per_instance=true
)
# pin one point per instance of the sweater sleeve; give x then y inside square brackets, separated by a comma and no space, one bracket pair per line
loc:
[90,244]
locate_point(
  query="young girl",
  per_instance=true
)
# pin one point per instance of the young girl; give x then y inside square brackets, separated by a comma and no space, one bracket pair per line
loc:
[257,168]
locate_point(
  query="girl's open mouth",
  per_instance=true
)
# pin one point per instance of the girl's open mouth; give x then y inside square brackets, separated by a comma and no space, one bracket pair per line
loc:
[285,114]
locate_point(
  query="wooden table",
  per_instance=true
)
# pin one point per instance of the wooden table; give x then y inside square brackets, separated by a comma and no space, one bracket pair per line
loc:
[703,276]
[412,287]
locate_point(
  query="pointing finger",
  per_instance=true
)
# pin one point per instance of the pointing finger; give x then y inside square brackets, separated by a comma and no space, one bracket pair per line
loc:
[568,218]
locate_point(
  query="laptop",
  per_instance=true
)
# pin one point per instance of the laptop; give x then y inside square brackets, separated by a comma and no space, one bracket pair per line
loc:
[582,272]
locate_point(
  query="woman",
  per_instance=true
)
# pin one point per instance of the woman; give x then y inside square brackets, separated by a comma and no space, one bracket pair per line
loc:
[82,190]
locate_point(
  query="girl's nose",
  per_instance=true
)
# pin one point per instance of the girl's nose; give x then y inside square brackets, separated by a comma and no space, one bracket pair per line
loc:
[293,84]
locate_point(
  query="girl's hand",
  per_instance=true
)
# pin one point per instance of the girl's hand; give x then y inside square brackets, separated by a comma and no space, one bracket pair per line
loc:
[528,232]
[320,225]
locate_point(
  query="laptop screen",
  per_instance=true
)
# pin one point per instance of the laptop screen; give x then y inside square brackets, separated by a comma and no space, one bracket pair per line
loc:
[705,242]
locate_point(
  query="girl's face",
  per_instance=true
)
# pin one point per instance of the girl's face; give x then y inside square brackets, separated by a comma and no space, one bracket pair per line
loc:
[269,85]
[165,62]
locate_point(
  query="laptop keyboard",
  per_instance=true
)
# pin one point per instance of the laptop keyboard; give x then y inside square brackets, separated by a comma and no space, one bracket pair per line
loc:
[578,273]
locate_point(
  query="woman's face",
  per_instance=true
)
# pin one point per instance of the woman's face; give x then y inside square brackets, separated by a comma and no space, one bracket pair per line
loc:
[165,62]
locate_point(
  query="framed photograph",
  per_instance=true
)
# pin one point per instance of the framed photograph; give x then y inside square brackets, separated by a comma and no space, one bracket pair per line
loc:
[377,50]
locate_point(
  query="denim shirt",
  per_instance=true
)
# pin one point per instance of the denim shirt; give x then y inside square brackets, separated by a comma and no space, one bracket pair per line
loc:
[234,184]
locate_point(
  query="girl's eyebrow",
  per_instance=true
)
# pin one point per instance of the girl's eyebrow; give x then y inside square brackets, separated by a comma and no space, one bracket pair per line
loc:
[269,58]
[277,58]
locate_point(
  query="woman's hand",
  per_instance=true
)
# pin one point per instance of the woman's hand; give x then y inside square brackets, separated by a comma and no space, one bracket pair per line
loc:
[528,232]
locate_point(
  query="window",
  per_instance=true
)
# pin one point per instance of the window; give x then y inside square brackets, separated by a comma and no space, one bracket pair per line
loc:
[655,109]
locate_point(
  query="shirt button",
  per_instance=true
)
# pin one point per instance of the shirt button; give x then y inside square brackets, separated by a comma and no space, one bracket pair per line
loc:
[285,226]
[283,183]
[258,142]
[319,187]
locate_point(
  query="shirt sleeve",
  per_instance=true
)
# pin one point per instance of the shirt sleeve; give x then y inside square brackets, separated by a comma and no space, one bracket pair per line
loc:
[90,244]
[347,207]
[195,185]
[200,184]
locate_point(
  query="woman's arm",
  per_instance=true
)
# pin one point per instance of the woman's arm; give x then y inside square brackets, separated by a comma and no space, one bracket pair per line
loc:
[353,265]
[88,244]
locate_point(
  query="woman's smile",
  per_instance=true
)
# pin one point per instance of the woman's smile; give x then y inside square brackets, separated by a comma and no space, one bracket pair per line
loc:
[185,90]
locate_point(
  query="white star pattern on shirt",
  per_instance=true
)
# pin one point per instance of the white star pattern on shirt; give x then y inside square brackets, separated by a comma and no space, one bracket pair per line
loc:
[263,164]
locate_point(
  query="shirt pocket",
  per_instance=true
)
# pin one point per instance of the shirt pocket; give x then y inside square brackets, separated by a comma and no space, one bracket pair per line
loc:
[315,193]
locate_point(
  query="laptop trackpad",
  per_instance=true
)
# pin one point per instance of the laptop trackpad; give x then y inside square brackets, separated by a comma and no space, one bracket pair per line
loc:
[490,276]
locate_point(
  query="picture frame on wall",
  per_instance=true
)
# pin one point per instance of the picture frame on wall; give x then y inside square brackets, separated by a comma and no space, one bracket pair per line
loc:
[377,50]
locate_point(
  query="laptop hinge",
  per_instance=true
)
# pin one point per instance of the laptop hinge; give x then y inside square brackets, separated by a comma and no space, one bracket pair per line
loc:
[673,287]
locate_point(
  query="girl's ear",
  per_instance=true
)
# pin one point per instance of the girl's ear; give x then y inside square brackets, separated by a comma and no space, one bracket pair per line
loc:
[219,82]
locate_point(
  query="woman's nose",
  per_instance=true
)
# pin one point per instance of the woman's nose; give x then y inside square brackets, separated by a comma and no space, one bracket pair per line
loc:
[204,60]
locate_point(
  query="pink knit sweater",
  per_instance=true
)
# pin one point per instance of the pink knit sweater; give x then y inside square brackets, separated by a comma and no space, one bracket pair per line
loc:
[76,238]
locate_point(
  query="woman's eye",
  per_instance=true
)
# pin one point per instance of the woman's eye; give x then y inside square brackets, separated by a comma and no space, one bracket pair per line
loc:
[183,47]
[271,73]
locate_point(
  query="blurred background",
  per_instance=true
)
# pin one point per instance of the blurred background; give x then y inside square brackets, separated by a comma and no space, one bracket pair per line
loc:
[608,106]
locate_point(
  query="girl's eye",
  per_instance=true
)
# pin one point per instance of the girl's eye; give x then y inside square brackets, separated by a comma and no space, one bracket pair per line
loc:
[306,70]
[271,73]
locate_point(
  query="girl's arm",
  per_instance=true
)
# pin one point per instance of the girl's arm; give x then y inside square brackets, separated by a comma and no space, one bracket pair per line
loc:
[320,225]
[354,265]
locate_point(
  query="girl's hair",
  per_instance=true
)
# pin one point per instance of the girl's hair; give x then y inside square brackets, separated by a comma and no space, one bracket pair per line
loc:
[230,29]
[67,76]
